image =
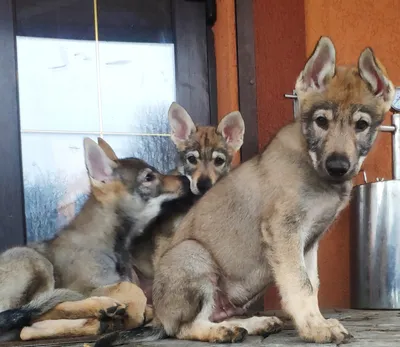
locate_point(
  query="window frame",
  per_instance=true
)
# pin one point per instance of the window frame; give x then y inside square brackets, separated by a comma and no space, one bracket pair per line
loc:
[247,90]
[247,76]
[195,57]
[12,209]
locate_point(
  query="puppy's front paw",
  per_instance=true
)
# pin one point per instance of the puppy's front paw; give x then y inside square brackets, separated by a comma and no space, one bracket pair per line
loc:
[325,331]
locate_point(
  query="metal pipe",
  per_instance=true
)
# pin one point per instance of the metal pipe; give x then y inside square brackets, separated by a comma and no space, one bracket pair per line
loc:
[387,128]
[395,130]
[396,146]
[293,96]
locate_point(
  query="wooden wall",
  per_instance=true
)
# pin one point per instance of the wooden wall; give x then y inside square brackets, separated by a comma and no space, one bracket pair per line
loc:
[285,32]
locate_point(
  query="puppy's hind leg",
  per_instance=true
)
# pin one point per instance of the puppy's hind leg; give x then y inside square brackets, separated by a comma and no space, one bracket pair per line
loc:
[183,294]
[26,278]
[100,307]
[69,328]
[24,275]
[129,294]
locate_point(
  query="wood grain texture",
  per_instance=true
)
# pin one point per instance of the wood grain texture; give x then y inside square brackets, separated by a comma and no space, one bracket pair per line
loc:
[353,25]
[191,59]
[12,219]
[285,33]
[280,54]
[247,76]
[226,60]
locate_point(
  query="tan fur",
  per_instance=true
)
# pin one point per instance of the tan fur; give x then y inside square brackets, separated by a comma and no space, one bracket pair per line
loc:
[211,148]
[207,142]
[85,258]
[92,307]
[107,149]
[170,184]
[138,312]
[68,328]
[212,333]
[261,224]
[207,137]
[109,194]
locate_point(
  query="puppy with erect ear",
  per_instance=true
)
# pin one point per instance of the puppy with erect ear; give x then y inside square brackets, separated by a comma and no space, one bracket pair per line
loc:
[182,126]
[285,199]
[374,74]
[319,69]
[231,128]
[86,269]
[100,169]
[98,164]
[107,149]
[357,97]
[205,152]
[139,188]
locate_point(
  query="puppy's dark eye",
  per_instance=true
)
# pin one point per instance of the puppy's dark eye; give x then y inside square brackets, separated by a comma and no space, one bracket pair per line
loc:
[361,125]
[192,159]
[322,122]
[149,177]
[219,161]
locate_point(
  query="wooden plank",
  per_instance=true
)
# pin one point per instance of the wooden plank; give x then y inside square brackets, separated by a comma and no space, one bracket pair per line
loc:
[192,87]
[369,328]
[247,76]
[12,219]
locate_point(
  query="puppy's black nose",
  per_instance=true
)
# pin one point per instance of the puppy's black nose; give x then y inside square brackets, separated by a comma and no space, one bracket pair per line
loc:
[337,165]
[204,184]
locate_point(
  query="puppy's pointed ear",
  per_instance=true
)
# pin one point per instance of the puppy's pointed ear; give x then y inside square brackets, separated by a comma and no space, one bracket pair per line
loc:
[320,67]
[107,149]
[373,73]
[232,129]
[181,124]
[99,166]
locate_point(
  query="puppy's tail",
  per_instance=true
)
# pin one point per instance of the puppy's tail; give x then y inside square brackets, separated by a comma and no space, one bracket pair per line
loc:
[141,334]
[17,318]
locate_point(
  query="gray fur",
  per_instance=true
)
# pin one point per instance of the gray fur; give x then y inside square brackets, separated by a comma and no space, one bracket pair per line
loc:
[92,252]
[46,301]
[261,224]
[214,150]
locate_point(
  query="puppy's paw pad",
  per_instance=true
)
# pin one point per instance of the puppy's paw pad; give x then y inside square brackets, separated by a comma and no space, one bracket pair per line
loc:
[266,326]
[329,331]
[227,335]
[239,334]
[117,310]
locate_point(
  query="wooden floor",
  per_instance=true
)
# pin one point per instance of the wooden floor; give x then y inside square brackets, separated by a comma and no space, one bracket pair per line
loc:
[369,328]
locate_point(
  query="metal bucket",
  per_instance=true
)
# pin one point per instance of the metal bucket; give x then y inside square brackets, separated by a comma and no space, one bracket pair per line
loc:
[375,246]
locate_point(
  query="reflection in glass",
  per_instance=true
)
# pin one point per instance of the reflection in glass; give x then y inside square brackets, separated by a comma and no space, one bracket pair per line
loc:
[137,86]
[55,181]
[57,84]
[158,151]
[72,86]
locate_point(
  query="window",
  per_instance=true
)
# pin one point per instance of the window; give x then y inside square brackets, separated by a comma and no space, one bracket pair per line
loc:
[102,68]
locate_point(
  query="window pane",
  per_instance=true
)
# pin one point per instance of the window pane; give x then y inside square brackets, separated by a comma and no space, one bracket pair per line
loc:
[57,84]
[115,80]
[137,86]
[55,181]
[158,151]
